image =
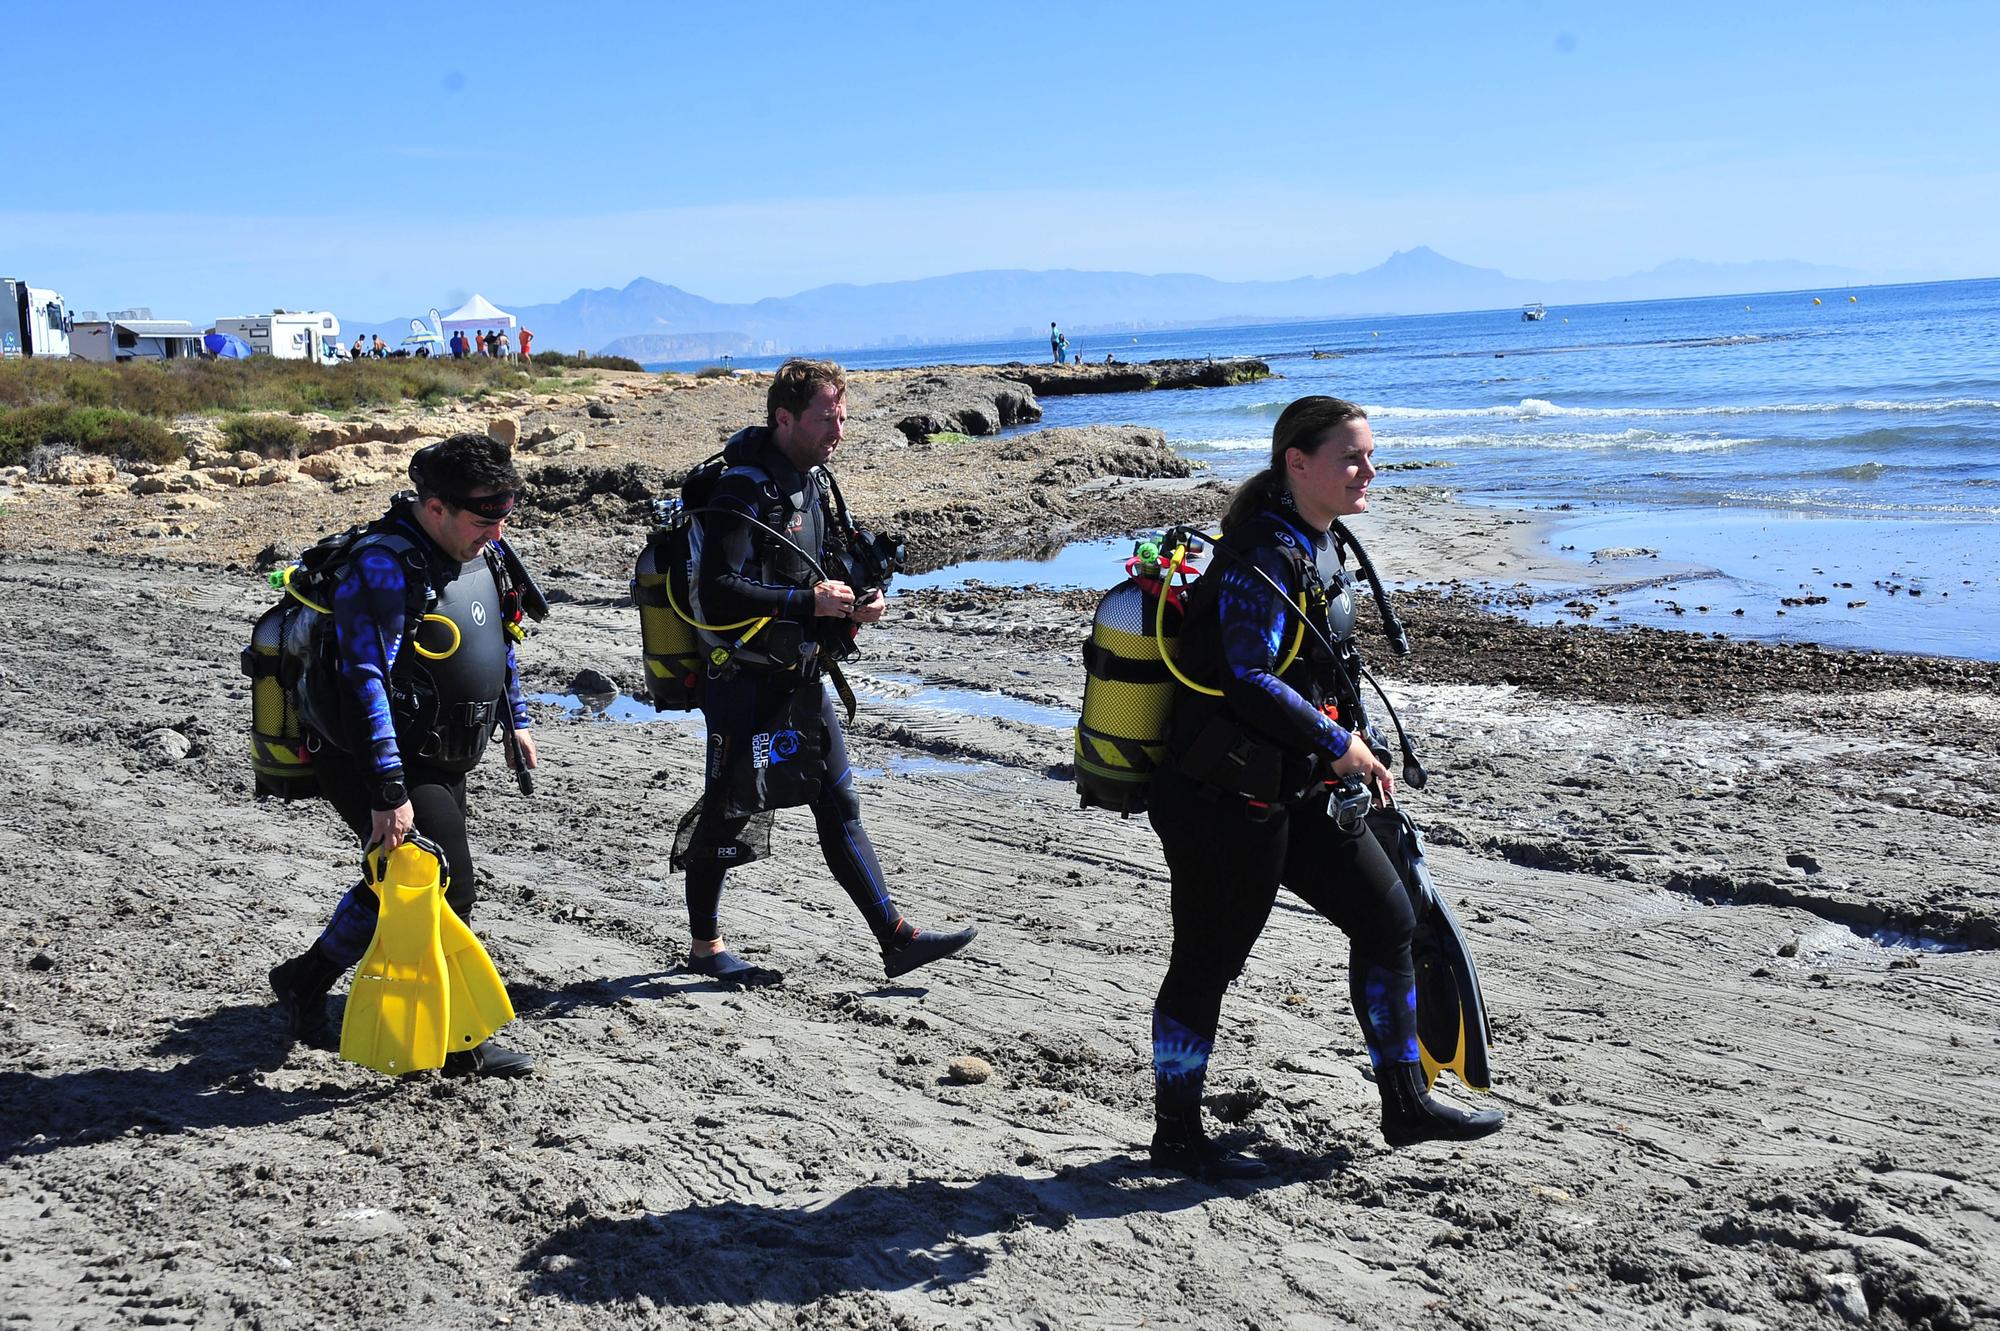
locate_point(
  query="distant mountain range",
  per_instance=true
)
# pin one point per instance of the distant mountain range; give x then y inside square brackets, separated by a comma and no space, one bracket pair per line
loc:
[651,321]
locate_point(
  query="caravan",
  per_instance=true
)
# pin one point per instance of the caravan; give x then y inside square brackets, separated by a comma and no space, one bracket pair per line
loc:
[312,335]
[33,322]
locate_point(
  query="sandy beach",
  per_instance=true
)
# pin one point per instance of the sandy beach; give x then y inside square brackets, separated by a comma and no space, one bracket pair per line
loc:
[1736,909]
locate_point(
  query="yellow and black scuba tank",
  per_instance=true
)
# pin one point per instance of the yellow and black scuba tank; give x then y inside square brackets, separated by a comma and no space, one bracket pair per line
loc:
[279,762]
[276,659]
[677,657]
[674,653]
[1128,687]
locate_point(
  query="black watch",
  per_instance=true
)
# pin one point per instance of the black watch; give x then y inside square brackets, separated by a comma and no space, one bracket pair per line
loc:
[391,795]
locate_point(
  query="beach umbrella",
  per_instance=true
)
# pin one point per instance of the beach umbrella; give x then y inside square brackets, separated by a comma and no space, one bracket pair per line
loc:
[226,345]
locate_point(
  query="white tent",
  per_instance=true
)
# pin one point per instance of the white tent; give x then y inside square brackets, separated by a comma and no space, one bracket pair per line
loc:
[477,314]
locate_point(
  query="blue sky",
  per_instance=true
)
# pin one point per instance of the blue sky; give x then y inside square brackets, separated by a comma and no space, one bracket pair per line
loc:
[377,159]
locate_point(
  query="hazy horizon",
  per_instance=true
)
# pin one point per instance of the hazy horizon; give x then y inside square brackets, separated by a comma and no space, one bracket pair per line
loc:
[385,166]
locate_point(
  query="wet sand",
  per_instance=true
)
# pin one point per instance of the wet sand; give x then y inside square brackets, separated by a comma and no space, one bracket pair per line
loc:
[1708,885]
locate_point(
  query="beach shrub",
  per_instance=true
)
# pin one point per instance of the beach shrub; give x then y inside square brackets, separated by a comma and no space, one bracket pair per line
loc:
[102,430]
[711,372]
[563,360]
[266,436]
[260,384]
[949,437]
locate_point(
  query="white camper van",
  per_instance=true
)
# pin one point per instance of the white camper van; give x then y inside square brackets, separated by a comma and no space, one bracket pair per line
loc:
[33,322]
[312,335]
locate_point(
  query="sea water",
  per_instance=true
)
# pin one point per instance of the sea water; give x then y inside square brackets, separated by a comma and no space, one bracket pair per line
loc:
[1847,449]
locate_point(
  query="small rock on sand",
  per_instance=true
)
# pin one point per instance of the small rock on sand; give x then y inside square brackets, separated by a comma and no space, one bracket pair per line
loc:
[968,1070]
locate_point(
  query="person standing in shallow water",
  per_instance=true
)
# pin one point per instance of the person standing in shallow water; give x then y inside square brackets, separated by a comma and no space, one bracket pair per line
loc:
[770,548]
[1241,803]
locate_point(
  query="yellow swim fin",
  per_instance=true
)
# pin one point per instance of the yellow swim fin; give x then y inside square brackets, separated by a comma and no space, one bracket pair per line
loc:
[396,1017]
[479,1004]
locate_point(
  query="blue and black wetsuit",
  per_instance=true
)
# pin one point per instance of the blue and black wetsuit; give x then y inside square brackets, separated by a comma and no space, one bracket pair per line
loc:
[774,735]
[391,723]
[1240,806]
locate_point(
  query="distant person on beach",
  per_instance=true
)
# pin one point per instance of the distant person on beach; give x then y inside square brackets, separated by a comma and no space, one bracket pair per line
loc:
[457,344]
[1058,344]
[393,736]
[505,347]
[360,346]
[527,339]
[482,341]
[777,546]
[380,348]
[1250,794]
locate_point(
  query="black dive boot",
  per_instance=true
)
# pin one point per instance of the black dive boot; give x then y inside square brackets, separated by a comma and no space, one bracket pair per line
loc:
[488,1060]
[924,946]
[1411,1114]
[1179,1144]
[302,985]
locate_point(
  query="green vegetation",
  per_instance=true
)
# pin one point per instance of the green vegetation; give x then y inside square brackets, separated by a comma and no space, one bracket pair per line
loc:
[104,430]
[711,372]
[563,361]
[948,437]
[174,388]
[266,436]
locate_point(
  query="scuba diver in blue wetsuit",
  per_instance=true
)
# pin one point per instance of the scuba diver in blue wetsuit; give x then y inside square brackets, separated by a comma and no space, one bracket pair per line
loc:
[401,702]
[1247,799]
[775,552]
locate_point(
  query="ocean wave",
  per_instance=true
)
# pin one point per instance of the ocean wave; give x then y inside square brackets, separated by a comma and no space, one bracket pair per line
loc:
[1638,440]
[1533,408]
[1260,442]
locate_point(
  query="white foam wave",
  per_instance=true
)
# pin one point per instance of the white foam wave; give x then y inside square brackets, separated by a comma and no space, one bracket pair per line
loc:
[1647,441]
[1534,408]
[1262,443]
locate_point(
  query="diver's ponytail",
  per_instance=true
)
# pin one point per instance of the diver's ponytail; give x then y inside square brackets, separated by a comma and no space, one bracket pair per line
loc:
[1260,492]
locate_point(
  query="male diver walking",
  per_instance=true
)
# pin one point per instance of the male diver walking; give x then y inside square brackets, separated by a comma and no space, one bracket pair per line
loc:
[775,553]
[418,670]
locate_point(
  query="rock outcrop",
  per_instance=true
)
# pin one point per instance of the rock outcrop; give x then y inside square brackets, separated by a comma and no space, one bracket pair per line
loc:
[1118,377]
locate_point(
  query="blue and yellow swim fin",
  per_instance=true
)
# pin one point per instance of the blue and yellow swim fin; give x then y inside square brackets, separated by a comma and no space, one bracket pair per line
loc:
[397,1007]
[1453,1032]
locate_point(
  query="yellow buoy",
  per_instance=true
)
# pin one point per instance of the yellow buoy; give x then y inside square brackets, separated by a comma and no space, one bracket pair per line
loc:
[1853,300]
[1815,300]
[1374,335]
[1746,307]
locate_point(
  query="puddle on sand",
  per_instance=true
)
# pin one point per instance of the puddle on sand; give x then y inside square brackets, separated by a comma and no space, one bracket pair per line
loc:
[613,707]
[966,702]
[1082,564]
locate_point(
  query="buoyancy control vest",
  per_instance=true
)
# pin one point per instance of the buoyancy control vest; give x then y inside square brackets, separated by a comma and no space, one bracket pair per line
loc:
[450,671]
[683,635]
[448,685]
[1153,668]
[1206,739]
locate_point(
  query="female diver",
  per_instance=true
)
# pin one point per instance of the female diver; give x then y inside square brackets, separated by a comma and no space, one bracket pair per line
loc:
[1246,800]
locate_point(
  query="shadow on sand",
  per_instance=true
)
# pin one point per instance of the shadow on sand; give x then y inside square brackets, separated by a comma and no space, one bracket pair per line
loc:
[879,1237]
[217,1086]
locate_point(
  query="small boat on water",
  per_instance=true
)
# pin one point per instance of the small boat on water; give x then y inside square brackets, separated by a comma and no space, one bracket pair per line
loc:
[1533,314]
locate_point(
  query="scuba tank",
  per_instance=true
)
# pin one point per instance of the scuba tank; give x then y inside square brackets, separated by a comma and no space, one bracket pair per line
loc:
[674,653]
[1128,688]
[279,760]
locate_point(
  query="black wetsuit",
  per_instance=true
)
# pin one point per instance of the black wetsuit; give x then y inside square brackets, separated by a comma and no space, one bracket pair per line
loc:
[1241,809]
[774,734]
